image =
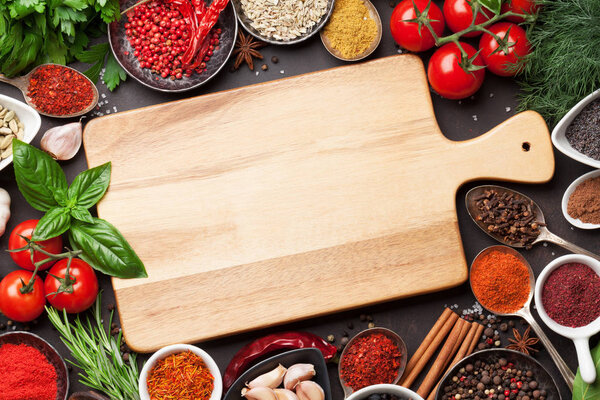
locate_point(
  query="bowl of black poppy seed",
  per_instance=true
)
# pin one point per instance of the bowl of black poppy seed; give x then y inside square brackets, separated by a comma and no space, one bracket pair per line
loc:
[501,374]
[577,134]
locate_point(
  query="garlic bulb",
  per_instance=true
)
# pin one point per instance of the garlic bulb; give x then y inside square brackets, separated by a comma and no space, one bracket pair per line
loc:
[271,379]
[4,210]
[309,390]
[298,373]
[62,142]
[284,394]
[259,393]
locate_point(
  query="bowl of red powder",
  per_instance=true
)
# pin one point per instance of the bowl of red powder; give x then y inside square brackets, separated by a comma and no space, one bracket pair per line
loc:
[30,368]
[567,297]
[581,201]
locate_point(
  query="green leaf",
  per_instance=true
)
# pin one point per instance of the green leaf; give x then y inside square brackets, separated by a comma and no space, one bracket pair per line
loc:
[114,74]
[585,391]
[82,214]
[492,5]
[93,54]
[37,175]
[89,186]
[105,249]
[54,223]
[22,8]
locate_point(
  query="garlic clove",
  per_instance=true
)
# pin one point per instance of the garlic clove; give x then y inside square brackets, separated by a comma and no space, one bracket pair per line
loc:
[298,373]
[284,394]
[309,390]
[62,142]
[259,393]
[271,379]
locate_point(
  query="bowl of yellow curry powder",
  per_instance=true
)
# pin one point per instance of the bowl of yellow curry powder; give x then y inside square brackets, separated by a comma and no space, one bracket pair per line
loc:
[353,31]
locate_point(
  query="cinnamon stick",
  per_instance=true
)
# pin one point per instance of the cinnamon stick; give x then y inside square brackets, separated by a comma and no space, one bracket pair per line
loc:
[430,344]
[475,338]
[466,326]
[440,362]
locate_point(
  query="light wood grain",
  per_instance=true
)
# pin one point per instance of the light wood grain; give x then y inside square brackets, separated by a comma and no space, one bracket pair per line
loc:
[294,198]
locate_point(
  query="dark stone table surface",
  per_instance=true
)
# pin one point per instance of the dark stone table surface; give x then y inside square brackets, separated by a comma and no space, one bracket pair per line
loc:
[411,318]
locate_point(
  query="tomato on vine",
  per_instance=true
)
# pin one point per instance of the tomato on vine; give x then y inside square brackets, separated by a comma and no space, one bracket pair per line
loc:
[19,299]
[23,258]
[408,28]
[453,75]
[459,15]
[502,56]
[519,7]
[74,291]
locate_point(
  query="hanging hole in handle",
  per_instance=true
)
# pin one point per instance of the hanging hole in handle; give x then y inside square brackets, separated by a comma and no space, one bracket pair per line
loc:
[526,146]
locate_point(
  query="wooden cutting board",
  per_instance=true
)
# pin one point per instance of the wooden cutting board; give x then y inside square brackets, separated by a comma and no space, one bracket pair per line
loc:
[294,198]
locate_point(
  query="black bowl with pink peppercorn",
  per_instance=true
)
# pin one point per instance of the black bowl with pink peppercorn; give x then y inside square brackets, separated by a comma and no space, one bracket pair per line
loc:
[497,374]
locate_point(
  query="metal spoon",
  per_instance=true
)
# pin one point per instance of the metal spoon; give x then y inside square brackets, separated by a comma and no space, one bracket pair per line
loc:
[525,312]
[390,334]
[544,236]
[22,83]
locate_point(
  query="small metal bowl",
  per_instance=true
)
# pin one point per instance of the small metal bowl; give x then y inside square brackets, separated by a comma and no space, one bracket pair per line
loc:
[120,45]
[390,334]
[246,23]
[375,15]
[30,339]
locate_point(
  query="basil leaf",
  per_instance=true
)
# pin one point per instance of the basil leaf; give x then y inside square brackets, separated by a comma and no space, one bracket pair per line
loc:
[89,186]
[60,195]
[37,175]
[54,223]
[82,214]
[105,249]
[492,5]
[585,391]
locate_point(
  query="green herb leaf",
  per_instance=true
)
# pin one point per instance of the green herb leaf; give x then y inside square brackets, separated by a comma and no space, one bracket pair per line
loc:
[89,186]
[54,223]
[37,175]
[492,5]
[585,391]
[82,214]
[114,74]
[105,249]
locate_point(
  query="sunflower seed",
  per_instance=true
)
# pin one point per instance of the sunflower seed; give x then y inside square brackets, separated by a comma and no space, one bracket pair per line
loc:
[13,126]
[6,141]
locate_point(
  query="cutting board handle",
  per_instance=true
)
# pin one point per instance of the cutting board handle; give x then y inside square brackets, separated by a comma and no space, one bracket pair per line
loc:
[517,150]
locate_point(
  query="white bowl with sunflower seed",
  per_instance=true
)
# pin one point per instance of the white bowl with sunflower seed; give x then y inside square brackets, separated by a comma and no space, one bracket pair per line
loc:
[17,120]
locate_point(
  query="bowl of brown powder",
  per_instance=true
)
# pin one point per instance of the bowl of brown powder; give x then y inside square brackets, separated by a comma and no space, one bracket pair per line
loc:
[353,31]
[581,201]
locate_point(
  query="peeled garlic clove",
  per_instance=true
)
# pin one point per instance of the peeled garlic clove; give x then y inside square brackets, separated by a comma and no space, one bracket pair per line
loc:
[298,373]
[259,393]
[284,394]
[309,390]
[62,142]
[271,379]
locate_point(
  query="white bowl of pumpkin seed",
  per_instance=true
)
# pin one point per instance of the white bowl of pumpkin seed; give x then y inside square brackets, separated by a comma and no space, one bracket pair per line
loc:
[17,120]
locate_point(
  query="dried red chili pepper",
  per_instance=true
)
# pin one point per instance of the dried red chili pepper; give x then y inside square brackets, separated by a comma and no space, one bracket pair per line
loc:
[208,21]
[270,343]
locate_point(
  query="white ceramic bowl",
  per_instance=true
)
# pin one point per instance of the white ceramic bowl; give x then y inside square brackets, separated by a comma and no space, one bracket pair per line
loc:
[567,195]
[558,133]
[28,116]
[179,348]
[581,335]
[399,391]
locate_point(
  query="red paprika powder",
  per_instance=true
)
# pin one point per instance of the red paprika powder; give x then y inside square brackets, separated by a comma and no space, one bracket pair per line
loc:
[26,374]
[370,360]
[500,281]
[59,90]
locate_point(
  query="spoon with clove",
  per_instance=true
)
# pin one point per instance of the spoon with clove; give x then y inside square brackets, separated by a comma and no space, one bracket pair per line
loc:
[23,83]
[532,224]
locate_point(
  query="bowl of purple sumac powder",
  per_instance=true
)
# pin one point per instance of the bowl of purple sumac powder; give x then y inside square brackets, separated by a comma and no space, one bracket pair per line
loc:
[578,133]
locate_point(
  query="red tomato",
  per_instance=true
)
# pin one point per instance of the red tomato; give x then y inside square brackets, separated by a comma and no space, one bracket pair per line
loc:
[519,7]
[459,16]
[446,75]
[23,258]
[84,289]
[22,307]
[499,62]
[406,34]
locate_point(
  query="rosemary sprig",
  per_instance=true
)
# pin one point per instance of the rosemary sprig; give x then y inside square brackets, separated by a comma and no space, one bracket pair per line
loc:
[98,354]
[564,66]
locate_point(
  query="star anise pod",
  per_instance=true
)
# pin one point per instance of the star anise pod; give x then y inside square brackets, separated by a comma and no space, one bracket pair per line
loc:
[246,48]
[524,343]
